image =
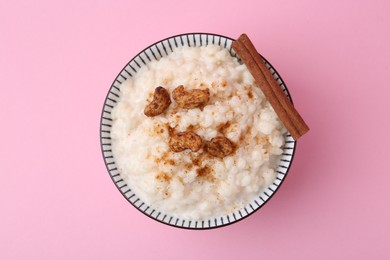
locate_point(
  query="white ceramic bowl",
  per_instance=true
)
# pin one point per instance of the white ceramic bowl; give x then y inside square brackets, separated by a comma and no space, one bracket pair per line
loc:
[154,52]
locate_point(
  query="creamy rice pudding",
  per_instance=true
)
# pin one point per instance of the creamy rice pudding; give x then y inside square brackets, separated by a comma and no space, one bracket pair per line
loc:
[232,138]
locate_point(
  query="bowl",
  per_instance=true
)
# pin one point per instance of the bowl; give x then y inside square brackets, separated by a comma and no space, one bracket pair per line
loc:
[155,51]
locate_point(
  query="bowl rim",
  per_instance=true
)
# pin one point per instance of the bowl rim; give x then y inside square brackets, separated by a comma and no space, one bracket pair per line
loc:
[138,208]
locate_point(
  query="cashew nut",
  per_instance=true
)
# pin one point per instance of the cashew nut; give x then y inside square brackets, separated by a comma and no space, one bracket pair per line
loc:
[185,140]
[159,104]
[220,147]
[192,98]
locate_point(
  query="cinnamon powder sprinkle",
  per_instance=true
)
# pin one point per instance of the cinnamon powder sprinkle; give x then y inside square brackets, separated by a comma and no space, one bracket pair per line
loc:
[164,159]
[170,162]
[171,130]
[223,127]
[250,94]
[162,176]
[192,128]
[188,166]
[196,161]
[206,173]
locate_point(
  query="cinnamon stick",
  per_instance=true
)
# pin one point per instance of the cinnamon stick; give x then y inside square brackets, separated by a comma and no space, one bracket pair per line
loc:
[271,89]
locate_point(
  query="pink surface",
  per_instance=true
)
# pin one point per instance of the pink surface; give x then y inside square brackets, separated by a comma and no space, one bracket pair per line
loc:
[57,61]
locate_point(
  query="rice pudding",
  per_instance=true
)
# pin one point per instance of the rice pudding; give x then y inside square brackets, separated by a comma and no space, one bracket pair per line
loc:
[196,184]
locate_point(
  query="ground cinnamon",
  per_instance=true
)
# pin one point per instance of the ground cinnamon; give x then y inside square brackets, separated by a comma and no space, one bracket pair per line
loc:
[271,89]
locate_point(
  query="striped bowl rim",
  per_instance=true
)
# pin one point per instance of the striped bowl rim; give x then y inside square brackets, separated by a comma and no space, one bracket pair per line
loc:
[154,52]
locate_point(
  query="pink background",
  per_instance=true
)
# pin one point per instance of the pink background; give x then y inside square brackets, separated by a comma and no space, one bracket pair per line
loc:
[57,61]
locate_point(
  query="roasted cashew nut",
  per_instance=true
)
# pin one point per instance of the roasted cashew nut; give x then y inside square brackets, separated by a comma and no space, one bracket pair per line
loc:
[185,140]
[220,147]
[159,104]
[191,98]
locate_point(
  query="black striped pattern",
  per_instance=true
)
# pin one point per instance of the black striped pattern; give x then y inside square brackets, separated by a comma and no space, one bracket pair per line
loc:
[155,52]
